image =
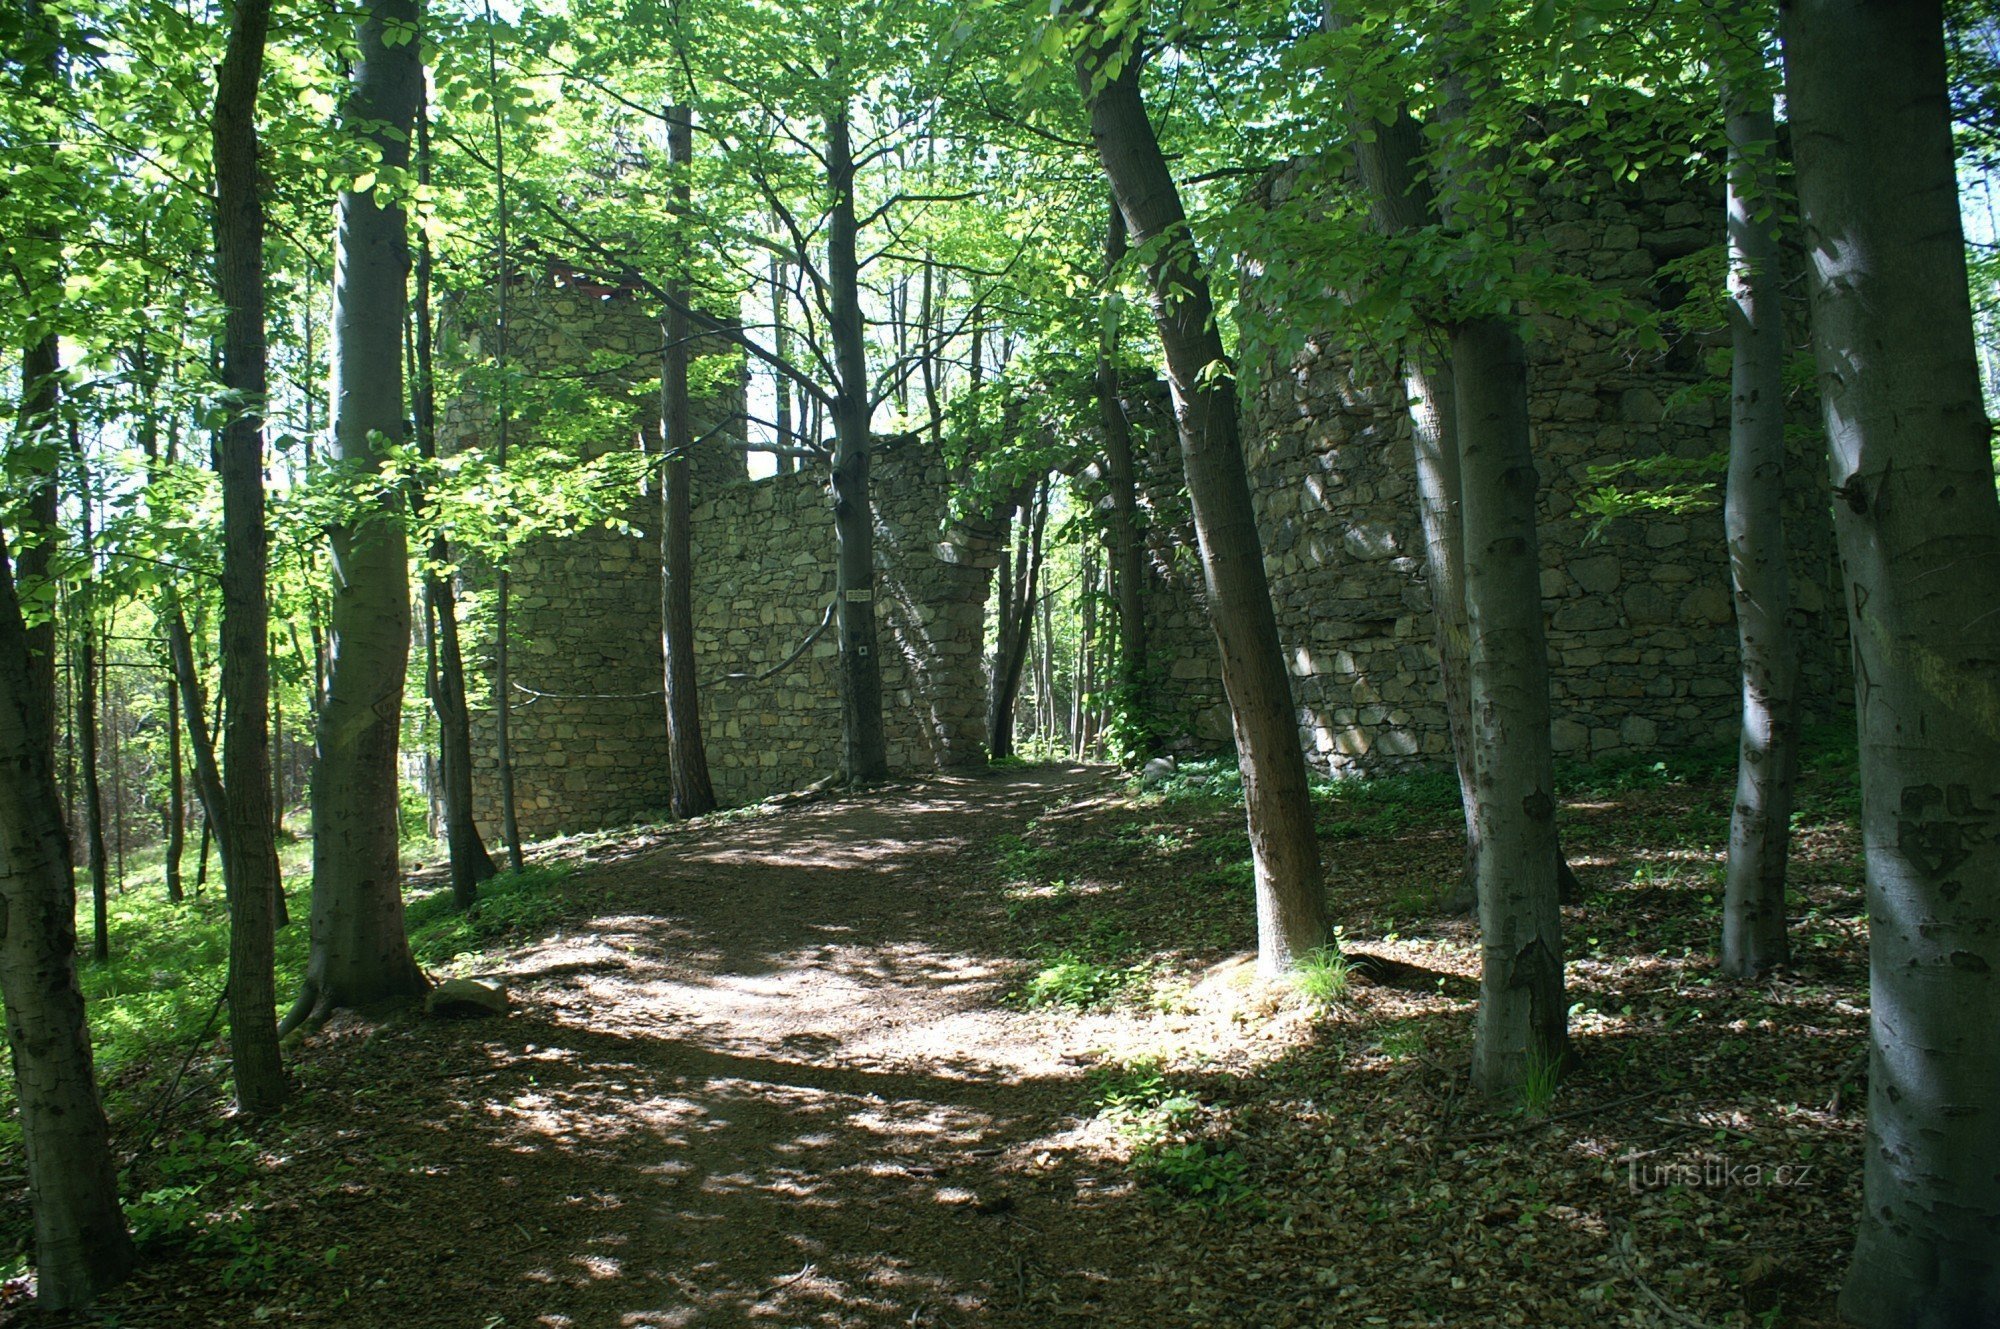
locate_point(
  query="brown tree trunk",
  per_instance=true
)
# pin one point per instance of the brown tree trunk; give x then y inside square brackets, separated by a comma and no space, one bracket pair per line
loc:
[83,693]
[864,756]
[1127,543]
[359,952]
[81,1246]
[1291,903]
[444,665]
[252,877]
[176,810]
[687,756]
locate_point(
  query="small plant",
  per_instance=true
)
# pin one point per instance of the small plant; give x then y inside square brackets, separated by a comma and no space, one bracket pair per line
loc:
[1539,1081]
[1322,976]
[1201,1175]
[1077,981]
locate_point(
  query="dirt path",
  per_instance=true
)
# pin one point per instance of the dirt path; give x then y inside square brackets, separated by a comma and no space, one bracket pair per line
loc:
[769,1081]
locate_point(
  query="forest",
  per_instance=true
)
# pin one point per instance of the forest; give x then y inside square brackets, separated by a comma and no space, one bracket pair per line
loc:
[704,662]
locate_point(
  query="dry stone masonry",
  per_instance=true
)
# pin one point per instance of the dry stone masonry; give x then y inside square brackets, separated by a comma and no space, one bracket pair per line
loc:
[1641,633]
[1640,625]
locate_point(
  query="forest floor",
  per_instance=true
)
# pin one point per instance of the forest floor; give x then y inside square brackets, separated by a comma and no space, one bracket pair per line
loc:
[975,1051]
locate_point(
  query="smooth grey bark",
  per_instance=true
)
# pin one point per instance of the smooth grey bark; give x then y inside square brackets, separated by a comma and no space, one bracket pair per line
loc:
[1290,890]
[253,879]
[1917,523]
[1753,905]
[1401,202]
[81,1245]
[692,793]
[1127,543]
[444,662]
[863,754]
[359,953]
[1522,1027]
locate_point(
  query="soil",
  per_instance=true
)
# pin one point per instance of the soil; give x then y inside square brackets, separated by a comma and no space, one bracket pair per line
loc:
[776,1070]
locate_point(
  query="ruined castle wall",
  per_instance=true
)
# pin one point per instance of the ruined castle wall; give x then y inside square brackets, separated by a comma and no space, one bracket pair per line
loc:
[1641,631]
[588,723]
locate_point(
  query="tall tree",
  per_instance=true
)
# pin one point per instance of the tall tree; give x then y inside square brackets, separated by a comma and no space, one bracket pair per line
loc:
[1291,904]
[252,879]
[688,757]
[1127,542]
[1917,522]
[863,753]
[444,663]
[1753,909]
[359,951]
[81,1245]
[83,602]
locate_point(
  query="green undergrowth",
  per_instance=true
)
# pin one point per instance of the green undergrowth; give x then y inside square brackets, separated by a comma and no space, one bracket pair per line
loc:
[511,906]
[1116,916]
[1162,1120]
[157,1029]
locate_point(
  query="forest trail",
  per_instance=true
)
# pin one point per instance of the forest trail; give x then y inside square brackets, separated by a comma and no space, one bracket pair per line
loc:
[768,1080]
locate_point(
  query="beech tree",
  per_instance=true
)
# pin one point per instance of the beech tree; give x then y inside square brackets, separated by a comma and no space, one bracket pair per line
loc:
[1753,917]
[1917,523]
[253,879]
[359,952]
[1291,902]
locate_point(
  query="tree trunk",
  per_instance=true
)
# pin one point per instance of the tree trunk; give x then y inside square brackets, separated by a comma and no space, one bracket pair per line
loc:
[359,953]
[444,671]
[1753,909]
[1016,626]
[503,590]
[781,386]
[1522,1025]
[863,754]
[1291,905]
[1127,544]
[252,878]
[194,712]
[1918,527]
[83,694]
[81,1246]
[176,819]
[687,756]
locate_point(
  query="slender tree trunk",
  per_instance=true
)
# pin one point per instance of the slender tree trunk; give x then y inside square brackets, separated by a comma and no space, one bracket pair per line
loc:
[252,877]
[194,713]
[503,590]
[176,819]
[687,757]
[1017,625]
[81,1246]
[1291,905]
[113,712]
[1918,527]
[864,755]
[359,952]
[1522,1024]
[1753,910]
[84,693]
[1127,543]
[444,672]
[780,385]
